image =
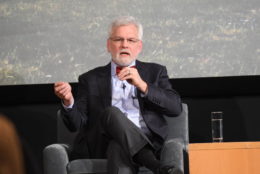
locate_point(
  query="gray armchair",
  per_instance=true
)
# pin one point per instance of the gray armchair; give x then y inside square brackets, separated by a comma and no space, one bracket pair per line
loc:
[56,156]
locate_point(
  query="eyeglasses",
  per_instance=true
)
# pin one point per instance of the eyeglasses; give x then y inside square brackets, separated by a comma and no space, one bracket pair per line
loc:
[120,40]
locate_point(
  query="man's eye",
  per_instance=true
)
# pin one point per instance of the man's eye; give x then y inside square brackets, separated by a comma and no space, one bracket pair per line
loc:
[131,40]
[118,40]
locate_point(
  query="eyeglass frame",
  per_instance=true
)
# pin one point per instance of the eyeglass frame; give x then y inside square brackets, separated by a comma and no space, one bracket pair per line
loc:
[120,40]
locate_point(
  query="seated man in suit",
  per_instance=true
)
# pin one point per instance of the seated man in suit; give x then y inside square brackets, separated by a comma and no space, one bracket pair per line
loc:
[120,107]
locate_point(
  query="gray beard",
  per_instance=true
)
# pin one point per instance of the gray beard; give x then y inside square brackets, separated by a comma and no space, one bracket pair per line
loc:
[121,63]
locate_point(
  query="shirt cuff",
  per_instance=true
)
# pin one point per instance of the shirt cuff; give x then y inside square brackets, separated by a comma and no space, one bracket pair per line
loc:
[67,107]
[144,94]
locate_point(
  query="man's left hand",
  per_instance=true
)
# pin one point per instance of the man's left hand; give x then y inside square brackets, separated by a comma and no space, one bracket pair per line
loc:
[132,76]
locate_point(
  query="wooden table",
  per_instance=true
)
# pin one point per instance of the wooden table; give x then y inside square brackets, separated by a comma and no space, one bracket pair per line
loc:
[224,158]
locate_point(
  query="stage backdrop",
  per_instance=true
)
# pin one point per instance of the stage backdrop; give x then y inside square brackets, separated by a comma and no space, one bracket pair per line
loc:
[43,41]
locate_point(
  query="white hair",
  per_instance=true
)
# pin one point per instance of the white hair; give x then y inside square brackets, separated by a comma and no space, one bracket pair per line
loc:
[126,20]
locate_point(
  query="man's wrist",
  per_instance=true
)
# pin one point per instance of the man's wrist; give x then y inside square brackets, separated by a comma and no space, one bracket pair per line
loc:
[67,104]
[143,88]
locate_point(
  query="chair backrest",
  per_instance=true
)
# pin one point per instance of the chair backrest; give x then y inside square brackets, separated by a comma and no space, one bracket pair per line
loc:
[64,136]
[179,127]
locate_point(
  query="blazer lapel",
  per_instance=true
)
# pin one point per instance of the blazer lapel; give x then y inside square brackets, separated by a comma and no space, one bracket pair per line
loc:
[143,74]
[141,69]
[104,85]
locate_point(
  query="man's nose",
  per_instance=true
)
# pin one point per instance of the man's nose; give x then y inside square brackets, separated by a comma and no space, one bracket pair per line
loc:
[124,43]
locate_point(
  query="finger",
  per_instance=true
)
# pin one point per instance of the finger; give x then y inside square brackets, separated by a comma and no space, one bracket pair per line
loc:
[131,71]
[63,95]
[124,72]
[56,84]
[63,88]
[62,85]
[66,93]
[58,89]
[67,96]
[128,77]
[124,76]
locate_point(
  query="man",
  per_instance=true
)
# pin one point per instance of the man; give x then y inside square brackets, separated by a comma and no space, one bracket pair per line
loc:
[120,107]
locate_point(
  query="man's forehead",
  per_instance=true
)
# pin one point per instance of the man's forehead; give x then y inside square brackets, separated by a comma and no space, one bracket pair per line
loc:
[126,28]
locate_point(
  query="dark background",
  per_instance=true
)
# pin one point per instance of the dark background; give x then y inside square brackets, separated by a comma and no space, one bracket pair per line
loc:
[33,109]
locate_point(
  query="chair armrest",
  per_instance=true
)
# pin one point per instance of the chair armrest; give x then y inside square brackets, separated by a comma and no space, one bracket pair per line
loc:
[172,153]
[55,159]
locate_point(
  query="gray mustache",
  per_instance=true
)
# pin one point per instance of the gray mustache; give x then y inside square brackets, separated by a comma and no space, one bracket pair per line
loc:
[125,51]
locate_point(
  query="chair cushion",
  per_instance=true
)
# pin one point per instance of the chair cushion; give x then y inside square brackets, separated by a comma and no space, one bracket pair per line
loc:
[84,166]
[97,166]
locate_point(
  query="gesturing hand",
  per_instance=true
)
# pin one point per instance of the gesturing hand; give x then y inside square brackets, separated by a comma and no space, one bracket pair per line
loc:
[63,91]
[132,76]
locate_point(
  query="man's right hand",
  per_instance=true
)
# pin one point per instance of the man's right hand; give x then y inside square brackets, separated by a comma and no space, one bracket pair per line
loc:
[63,91]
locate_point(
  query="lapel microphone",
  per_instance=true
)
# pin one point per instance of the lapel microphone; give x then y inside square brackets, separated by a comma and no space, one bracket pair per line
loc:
[123,86]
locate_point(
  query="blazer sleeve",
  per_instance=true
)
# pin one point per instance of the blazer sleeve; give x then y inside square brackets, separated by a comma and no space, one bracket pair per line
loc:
[161,96]
[76,117]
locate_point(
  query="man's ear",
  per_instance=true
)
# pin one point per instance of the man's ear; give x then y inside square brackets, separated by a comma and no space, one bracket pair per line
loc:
[140,46]
[108,45]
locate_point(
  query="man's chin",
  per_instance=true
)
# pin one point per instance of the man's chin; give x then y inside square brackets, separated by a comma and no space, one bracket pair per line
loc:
[123,64]
[123,61]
